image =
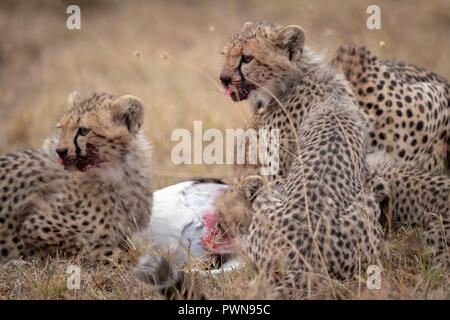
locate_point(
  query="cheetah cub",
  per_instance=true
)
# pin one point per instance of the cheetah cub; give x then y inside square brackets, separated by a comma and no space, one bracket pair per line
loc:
[314,218]
[82,193]
[406,106]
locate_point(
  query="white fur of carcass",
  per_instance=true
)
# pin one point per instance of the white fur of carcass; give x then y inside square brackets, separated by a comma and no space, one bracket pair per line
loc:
[177,223]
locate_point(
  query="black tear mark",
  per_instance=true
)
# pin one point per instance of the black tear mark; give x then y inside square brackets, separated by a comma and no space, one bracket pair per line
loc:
[77,147]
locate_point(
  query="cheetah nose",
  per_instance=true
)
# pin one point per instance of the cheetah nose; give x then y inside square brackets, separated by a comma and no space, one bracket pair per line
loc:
[62,152]
[225,79]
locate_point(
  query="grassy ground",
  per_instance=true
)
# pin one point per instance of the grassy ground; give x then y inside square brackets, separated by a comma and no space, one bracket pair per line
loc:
[166,53]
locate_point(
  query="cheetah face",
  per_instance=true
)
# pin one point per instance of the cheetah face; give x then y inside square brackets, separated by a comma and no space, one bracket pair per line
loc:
[86,153]
[97,132]
[259,60]
[237,84]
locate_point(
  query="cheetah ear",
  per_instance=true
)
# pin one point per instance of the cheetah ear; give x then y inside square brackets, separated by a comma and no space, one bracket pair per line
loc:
[246,26]
[250,185]
[73,98]
[128,111]
[292,39]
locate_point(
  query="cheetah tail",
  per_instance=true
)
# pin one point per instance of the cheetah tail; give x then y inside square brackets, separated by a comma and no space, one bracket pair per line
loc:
[170,281]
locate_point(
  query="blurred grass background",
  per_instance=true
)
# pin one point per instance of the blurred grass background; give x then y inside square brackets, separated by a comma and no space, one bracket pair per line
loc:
[118,50]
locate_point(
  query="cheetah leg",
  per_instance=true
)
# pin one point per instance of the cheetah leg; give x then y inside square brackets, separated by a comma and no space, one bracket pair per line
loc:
[102,253]
[10,245]
[437,235]
[42,236]
[40,240]
[39,234]
[414,197]
[363,218]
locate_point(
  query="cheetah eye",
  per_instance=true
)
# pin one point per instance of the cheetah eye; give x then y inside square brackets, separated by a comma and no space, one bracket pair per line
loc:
[247,58]
[82,131]
[58,126]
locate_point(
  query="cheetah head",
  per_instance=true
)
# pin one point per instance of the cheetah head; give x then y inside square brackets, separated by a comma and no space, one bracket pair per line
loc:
[259,61]
[97,132]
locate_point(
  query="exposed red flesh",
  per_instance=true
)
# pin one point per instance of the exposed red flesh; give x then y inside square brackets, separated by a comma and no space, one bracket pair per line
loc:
[215,240]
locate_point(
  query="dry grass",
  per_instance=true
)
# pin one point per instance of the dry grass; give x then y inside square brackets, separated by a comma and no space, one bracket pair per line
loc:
[41,62]
[406,274]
